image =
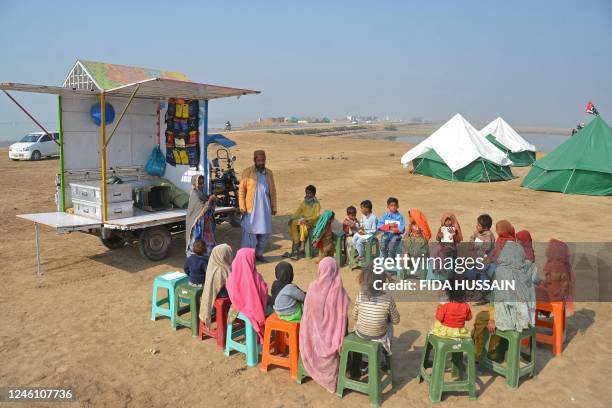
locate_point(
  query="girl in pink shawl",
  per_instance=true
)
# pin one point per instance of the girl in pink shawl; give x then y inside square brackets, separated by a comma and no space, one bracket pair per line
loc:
[323,325]
[247,290]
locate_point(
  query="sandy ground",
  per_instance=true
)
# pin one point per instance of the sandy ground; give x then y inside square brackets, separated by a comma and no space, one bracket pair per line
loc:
[86,323]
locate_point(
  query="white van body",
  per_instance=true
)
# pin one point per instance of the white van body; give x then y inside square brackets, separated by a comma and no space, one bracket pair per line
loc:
[34,146]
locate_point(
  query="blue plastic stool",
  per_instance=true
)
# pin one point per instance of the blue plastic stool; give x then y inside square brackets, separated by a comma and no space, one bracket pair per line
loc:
[169,286]
[249,347]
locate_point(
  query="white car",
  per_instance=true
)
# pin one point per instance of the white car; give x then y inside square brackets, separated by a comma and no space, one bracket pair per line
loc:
[34,146]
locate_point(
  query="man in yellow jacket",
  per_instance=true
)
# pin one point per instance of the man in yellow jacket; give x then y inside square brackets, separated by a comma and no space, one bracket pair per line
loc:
[257,199]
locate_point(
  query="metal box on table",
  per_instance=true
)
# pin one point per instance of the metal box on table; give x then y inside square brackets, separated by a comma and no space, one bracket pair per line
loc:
[94,210]
[91,191]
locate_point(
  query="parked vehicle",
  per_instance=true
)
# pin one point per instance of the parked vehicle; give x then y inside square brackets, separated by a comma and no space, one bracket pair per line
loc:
[35,146]
[224,184]
[93,157]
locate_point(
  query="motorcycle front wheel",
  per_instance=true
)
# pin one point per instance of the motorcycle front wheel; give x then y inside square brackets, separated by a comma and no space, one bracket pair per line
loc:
[234,220]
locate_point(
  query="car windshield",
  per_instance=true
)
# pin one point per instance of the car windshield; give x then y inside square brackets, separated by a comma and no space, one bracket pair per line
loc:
[32,137]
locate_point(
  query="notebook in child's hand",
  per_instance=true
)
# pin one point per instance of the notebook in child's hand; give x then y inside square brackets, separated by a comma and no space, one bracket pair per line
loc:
[447,234]
[173,275]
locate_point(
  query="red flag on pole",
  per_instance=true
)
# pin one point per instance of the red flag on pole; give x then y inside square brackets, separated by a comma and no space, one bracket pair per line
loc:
[590,109]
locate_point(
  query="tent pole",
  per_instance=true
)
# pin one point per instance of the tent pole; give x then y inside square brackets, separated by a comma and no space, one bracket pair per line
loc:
[103,146]
[62,195]
[205,148]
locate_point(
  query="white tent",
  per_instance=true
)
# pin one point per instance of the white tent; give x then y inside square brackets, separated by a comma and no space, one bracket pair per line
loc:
[507,136]
[458,144]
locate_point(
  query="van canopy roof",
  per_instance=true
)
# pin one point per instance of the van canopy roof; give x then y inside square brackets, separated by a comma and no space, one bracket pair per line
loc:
[93,78]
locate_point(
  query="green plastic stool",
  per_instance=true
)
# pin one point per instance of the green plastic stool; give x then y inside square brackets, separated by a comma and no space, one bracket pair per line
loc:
[310,250]
[241,337]
[165,282]
[302,373]
[371,248]
[376,383]
[512,369]
[443,347]
[190,295]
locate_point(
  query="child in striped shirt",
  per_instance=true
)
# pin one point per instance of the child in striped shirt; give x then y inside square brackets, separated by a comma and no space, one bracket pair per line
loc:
[375,312]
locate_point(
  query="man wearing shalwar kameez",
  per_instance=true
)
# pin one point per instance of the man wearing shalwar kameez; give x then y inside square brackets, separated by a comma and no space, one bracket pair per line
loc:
[257,199]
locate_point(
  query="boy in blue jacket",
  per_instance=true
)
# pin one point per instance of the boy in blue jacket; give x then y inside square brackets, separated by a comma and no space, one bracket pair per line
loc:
[392,225]
[196,264]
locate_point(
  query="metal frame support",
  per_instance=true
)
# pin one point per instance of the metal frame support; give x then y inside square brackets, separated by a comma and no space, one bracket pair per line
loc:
[62,195]
[36,233]
[205,149]
[103,147]
[127,105]
[30,116]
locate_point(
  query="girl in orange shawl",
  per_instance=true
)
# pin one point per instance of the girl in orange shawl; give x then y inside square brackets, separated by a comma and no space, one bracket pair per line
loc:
[418,235]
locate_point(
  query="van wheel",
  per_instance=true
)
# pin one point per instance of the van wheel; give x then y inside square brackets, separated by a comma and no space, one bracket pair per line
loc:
[113,242]
[35,155]
[154,243]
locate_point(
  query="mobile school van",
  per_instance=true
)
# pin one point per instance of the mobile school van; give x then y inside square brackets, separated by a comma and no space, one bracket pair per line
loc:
[114,143]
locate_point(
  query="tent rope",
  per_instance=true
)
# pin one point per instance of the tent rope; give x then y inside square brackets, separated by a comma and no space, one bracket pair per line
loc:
[539,175]
[568,180]
[418,165]
[485,169]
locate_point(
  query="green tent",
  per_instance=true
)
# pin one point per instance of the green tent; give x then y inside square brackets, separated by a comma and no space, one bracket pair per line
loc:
[505,138]
[581,165]
[430,164]
[519,159]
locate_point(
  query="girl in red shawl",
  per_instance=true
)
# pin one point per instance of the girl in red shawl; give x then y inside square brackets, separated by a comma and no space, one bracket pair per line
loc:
[559,278]
[524,238]
[505,232]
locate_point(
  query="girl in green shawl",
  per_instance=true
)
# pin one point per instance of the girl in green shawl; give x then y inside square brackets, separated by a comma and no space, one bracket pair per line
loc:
[511,309]
[323,236]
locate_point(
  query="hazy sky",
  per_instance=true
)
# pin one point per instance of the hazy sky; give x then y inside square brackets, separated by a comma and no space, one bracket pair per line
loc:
[532,62]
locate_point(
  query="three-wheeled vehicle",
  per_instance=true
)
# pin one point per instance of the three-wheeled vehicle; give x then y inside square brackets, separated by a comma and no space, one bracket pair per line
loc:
[94,152]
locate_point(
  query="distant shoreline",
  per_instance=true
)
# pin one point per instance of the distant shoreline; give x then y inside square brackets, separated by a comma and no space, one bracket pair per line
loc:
[375,130]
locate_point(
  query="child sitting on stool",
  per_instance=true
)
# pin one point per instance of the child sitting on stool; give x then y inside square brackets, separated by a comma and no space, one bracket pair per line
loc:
[303,221]
[452,315]
[350,226]
[196,263]
[287,298]
[323,236]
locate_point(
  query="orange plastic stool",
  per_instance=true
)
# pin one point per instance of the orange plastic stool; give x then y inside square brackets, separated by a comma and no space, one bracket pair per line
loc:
[557,325]
[287,335]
